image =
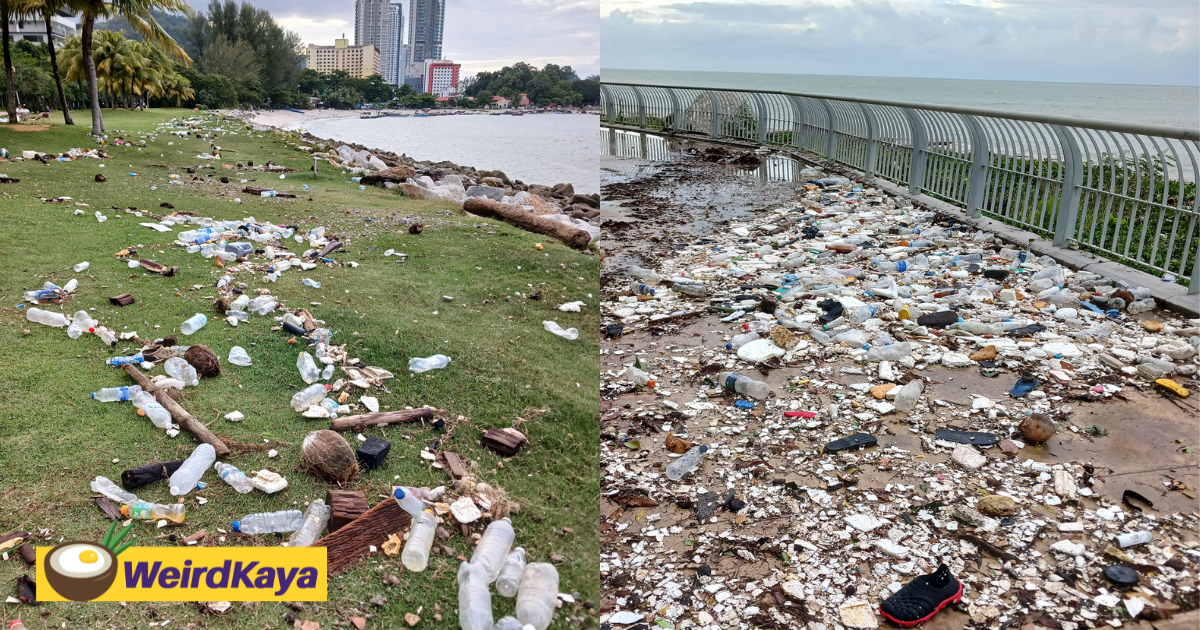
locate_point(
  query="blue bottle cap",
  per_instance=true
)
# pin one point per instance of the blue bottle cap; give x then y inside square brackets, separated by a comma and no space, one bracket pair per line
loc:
[703,449]
[398,492]
[729,346]
[237,527]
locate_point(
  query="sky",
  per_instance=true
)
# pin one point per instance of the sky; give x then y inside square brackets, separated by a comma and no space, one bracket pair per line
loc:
[479,34]
[1085,41]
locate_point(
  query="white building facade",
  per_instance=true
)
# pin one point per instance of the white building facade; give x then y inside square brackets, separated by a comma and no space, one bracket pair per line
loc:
[396,54]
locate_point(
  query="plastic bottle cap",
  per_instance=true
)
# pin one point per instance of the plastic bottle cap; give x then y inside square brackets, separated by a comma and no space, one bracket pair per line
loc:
[124,510]
[703,449]
[398,492]
[237,526]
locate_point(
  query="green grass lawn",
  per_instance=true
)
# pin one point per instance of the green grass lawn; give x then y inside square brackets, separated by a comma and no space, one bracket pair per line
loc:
[54,439]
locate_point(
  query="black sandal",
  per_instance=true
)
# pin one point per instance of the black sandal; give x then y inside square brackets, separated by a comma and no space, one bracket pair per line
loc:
[922,598]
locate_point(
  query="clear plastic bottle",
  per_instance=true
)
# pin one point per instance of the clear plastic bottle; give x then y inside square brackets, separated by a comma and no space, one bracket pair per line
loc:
[309,396]
[853,338]
[408,501]
[736,383]
[1165,366]
[639,288]
[435,362]
[193,323]
[511,572]
[262,304]
[538,595]
[133,359]
[505,623]
[231,475]
[686,464]
[906,399]
[648,276]
[150,408]
[178,367]
[741,340]
[420,540]
[493,547]
[316,517]
[81,267]
[967,259]
[641,378]
[105,486]
[146,511]
[979,328]
[820,336]
[327,372]
[861,314]
[185,478]
[106,336]
[1141,306]
[74,331]
[474,598]
[241,316]
[85,321]
[116,394]
[890,352]
[269,522]
[308,368]
[311,283]
[694,289]
[47,318]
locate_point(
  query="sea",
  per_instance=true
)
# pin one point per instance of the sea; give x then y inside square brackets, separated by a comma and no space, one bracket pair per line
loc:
[534,148]
[1176,106]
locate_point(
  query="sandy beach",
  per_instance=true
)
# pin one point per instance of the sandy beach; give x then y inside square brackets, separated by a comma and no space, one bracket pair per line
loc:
[286,118]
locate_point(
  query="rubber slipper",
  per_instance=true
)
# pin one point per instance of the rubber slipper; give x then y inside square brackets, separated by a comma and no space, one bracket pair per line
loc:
[1024,386]
[922,598]
[1121,576]
[854,441]
[988,369]
[976,438]
[1026,331]
[1130,494]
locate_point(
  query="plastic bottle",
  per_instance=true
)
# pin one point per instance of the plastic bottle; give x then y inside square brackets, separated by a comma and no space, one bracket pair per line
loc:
[84,320]
[686,464]
[116,361]
[106,336]
[741,340]
[238,356]
[511,572]
[906,399]
[690,288]
[231,475]
[146,511]
[309,396]
[185,478]
[193,323]
[736,383]
[269,522]
[538,595]
[967,258]
[407,500]
[311,283]
[820,336]
[639,288]
[150,408]
[178,367]
[641,378]
[83,266]
[262,304]
[241,316]
[853,338]
[474,598]
[420,540]
[435,362]
[327,372]
[314,521]
[647,276]
[1140,306]
[1166,367]
[105,486]
[493,547]
[308,368]
[505,623]
[74,331]
[861,314]
[116,394]
[1131,539]
[47,318]
[890,352]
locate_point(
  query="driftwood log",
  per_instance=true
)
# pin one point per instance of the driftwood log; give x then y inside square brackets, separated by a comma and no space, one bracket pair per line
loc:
[353,541]
[185,419]
[515,215]
[255,190]
[354,423]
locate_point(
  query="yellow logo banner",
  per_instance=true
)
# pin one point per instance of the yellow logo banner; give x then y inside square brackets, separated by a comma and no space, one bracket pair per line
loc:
[83,571]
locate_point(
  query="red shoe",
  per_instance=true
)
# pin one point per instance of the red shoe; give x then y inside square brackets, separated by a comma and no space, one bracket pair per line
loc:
[922,598]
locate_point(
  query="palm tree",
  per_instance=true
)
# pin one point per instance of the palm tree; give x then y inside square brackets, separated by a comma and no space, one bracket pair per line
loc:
[47,9]
[10,103]
[137,13]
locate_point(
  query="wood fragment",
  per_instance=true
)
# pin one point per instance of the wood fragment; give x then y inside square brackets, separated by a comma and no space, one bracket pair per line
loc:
[454,461]
[185,420]
[28,553]
[109,508]
[503,441]
[195,537]
[989,547]
[124,299]
[355,423]
[519,217]
[353,541]
[254,190]
[344,507]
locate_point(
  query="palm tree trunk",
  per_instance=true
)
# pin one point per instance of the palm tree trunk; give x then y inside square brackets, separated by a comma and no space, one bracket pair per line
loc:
[9,95]
[62,96]
[89,68]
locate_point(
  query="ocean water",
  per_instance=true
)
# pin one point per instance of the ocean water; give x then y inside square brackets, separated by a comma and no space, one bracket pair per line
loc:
[1177,106]
[534,148]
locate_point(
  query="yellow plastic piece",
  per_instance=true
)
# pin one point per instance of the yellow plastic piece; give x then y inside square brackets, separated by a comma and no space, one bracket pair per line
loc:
[1172,386]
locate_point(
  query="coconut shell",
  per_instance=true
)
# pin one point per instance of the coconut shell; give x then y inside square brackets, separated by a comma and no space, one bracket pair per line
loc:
[222,305]
[204,360]
[328,455]
[1037,428]
[170,340]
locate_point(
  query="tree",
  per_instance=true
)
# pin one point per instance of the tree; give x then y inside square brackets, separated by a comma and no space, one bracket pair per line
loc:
[138,14]
[211,90]
[275,49]
[127,70]
[343,98]
[46,9]
[10,103]
[236,60]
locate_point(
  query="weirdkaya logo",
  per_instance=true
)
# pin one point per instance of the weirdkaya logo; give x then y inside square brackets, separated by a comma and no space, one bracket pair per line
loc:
[84,571]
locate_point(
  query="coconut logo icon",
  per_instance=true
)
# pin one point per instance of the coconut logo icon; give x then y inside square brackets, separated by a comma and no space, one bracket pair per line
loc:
[82,571]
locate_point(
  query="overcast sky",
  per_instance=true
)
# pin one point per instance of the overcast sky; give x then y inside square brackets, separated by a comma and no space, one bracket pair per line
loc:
[479,34]
[1102,41]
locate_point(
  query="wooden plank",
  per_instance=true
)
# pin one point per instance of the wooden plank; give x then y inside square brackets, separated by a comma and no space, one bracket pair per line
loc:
[355,423]
[344,507]
[110,509]
[350,543]
[454,461]
[181,416]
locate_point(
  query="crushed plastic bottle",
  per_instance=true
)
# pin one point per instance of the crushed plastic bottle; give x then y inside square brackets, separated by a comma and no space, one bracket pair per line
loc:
[105,486]
[188,474]
[570,334]
[309,396]
[179,368]
[238,356]
[316,517]
[686,464]
[435,362]
[231,475]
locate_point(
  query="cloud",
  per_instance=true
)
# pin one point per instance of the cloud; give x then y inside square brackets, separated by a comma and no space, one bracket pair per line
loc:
[1103,41]
[479,34]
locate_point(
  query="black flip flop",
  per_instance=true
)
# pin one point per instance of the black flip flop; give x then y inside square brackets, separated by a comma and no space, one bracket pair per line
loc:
[854,441]
[975,438]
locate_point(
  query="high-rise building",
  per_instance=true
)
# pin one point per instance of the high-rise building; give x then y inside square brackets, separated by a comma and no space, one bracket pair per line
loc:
[371,21]
[425,21]
[395,58]
[441,77]
[358,61]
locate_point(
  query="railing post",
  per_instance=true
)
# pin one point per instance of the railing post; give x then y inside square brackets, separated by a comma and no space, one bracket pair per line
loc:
[798,125]
[716,114]
[1068,209]
[920,146]
[977,177]
[676,113]
[609,104]
[872,140]
[762,117]
[641,106]
[613,147]
[830,132]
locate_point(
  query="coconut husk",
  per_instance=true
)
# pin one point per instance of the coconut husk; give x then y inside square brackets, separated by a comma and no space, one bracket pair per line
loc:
[328,455]
[222,305]
[204,360]
[416,228]
[1037,428]
[170,340]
